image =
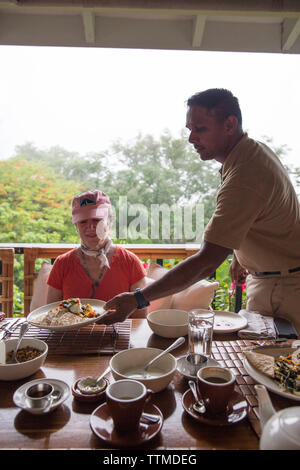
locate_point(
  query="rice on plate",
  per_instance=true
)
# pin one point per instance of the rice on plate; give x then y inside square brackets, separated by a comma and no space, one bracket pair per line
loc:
[67,312]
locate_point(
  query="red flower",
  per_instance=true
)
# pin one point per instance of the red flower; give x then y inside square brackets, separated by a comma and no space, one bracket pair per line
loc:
[232,286]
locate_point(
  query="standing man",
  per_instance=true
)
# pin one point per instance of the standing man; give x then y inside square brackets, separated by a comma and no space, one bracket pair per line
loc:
[257,217]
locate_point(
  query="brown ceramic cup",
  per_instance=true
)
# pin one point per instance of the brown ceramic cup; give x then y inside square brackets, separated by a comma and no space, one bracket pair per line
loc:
[216,386]
[126,400]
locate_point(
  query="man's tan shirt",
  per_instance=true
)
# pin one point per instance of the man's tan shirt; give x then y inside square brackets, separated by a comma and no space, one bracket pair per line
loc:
[257,213]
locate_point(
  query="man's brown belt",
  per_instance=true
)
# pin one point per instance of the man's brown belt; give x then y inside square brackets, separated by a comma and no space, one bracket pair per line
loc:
[270,273]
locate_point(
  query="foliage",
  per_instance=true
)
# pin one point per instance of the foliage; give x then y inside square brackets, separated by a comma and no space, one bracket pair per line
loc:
[18,301]
[34,203]
[225,294]
[147,171]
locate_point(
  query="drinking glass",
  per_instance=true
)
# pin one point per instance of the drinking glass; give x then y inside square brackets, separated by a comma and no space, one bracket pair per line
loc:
[201,323]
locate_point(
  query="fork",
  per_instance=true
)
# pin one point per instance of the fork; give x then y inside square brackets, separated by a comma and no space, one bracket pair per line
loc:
[8,331]
[114,332]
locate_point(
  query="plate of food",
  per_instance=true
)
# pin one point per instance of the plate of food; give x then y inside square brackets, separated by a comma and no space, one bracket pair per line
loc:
[228,322]
[69,314]
[277,368]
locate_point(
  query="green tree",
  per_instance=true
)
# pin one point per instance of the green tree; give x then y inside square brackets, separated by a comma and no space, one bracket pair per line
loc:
[35,203]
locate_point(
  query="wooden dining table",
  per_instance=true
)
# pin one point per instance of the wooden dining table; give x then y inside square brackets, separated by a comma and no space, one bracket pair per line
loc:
[68,427]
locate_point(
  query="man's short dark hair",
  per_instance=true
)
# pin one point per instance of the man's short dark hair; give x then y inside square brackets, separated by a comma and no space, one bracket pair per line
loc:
[220,100]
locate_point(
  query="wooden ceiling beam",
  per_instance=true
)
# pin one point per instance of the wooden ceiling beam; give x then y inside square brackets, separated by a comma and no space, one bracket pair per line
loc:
[198,30]
[269,6]
[291,37]
[88,18]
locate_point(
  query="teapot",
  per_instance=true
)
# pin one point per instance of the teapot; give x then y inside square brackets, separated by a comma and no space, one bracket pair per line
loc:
[280,430]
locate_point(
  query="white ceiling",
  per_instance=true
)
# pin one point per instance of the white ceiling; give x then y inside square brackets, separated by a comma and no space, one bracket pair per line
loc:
[269,26]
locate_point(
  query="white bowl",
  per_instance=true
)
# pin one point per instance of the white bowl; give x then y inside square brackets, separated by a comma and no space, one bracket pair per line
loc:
[23,369]
[169,323]
[129,360]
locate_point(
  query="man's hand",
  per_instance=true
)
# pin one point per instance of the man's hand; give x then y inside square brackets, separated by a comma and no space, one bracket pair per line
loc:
[119,308]
[237,272]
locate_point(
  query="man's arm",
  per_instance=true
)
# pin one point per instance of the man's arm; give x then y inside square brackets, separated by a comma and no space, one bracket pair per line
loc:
[183,275]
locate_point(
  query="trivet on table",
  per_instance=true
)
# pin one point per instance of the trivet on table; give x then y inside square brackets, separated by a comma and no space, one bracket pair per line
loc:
[90,339]
[230,354]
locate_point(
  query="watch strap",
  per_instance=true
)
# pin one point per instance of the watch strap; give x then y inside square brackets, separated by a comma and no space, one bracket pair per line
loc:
[142,302]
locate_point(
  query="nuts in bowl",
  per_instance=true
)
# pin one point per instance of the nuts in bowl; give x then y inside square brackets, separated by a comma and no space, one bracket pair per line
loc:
[31,356]
[24,354]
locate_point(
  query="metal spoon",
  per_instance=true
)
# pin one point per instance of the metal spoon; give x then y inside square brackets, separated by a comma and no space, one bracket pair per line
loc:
[198,405]
[150,417]
[54,396]
[88,384]
[174,345]
[23,329]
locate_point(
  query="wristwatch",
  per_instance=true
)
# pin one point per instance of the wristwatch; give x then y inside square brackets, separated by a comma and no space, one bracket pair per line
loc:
[142,302]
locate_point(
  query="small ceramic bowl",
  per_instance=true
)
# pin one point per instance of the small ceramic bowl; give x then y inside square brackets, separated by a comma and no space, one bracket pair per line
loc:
[126,363]
[21,370]
[91,397]
[169,323]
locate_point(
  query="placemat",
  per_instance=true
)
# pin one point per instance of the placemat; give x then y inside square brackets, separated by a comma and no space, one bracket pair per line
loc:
[230,354]
[90,339]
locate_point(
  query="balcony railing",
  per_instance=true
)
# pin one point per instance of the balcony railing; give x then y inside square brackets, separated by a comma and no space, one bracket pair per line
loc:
[34,251]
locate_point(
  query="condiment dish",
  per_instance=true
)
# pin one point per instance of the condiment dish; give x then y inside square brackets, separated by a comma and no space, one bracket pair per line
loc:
[91,397]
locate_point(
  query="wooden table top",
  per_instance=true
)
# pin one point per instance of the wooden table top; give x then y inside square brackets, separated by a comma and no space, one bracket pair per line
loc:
[68,426]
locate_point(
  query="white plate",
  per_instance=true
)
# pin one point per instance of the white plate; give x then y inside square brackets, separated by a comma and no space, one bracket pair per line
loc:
[96,304]
[263,379]
[20,401]
[228,322]
[182,367]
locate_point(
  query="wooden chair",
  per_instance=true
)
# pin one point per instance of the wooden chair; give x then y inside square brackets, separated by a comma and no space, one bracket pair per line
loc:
[30,274]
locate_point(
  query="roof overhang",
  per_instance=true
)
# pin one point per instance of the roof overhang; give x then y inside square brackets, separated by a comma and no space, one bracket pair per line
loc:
[211,25]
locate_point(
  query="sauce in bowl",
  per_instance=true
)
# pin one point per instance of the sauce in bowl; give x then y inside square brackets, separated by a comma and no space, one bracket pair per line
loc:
[140,373]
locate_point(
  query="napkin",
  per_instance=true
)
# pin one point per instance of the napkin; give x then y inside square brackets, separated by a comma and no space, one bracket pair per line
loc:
[259,326]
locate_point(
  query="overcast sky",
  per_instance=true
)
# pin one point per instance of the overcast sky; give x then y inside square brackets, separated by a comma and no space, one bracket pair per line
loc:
[85,98]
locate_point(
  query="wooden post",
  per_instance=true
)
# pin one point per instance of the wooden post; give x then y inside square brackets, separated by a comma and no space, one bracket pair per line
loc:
[7,280]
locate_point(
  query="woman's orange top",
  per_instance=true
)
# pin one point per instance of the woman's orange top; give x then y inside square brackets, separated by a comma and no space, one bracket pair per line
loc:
[68,276]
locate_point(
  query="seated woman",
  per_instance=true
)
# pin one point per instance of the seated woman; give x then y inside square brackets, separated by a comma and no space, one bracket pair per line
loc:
[97,269]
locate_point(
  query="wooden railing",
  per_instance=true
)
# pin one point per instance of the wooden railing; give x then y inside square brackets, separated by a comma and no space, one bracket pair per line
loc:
[32,252]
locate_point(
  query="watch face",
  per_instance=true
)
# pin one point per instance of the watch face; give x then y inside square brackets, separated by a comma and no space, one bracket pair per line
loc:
[142,303]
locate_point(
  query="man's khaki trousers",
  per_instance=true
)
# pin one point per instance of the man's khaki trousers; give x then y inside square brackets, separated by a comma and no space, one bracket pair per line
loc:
[275,295]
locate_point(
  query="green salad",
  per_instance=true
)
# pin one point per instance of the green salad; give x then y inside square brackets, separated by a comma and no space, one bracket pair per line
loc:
[287,372]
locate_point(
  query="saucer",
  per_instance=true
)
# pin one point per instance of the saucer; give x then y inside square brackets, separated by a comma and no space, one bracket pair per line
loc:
[236,410]
[20,400]
[102,425]
[91,397]
[183,368]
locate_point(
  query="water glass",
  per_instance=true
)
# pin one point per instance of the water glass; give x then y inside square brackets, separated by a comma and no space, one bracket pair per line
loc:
[201,323]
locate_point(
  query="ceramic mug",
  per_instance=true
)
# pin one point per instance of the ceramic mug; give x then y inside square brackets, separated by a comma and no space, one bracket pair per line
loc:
[126,400]
[216,386]
[38,395]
